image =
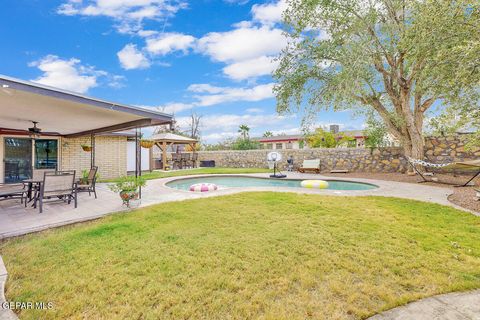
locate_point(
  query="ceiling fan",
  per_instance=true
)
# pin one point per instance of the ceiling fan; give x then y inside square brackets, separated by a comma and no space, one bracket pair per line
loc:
[34,131]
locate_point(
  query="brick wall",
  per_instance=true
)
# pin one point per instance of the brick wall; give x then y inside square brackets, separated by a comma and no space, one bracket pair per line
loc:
[110,155]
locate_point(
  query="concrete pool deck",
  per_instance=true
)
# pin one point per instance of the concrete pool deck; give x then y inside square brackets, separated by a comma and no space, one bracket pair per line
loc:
[17,220]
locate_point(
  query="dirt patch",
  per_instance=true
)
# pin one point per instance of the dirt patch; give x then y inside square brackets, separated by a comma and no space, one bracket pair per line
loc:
[461,196]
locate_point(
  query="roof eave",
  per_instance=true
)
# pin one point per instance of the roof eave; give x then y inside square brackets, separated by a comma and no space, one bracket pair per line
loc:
[36,88]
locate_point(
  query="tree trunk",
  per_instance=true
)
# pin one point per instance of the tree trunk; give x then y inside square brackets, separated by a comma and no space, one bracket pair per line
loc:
[413,147]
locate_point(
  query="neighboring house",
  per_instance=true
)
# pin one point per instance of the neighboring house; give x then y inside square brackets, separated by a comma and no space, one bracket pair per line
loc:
[66,121]
[297,141]
[282,142]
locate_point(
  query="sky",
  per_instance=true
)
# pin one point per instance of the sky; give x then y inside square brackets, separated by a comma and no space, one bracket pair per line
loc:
[211,57]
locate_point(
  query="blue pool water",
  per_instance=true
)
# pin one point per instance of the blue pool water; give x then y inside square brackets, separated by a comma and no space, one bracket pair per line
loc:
[239,181]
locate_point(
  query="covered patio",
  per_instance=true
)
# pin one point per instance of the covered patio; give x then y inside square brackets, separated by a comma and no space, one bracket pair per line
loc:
[48,128]
[166,140]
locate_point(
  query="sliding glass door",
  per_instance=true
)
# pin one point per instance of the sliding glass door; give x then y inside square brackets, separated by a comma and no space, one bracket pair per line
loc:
[46,153]
[20,152]
[17,159]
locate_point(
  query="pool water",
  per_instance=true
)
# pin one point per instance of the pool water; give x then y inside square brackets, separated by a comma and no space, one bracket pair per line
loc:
[239,181]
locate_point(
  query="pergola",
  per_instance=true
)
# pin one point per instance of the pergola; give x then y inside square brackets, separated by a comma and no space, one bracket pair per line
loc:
[69,114]
[166,139]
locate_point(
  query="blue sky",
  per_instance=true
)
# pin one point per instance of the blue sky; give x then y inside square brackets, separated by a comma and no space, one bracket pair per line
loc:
[210,56]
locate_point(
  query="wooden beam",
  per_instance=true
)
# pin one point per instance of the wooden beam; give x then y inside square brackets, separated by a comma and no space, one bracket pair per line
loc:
[164,156]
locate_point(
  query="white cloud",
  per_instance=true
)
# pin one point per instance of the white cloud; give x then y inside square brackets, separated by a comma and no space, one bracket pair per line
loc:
[227,94]
[131,58]
[204,87]
[169,42]
[129,14]
[254,110]
[251,68]
[65,74]
[242,44]
[174,107]
[269,13]
[72,75]
[206,95]
[219,122]
[216,127]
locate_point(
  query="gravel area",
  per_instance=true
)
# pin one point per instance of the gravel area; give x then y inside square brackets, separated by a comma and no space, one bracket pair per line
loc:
[461,196]
[465,197]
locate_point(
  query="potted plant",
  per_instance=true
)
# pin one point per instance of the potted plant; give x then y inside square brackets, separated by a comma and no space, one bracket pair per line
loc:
[147,144]
[127,187]
[86,148]
[84,178]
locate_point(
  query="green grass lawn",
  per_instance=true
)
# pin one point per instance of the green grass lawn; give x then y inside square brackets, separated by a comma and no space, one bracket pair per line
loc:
[251,255]
[189,172]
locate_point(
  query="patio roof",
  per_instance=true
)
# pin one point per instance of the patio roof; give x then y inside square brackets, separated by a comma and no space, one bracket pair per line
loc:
[165,139]
[171,137]
[65,113]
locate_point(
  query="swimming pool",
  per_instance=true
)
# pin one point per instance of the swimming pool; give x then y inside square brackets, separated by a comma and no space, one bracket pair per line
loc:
[241,181]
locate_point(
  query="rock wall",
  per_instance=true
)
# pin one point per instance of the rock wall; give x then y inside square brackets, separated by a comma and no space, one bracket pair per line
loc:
[389,159]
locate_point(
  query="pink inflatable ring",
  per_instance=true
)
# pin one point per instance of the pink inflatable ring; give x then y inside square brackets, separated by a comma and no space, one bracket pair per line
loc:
[203,187]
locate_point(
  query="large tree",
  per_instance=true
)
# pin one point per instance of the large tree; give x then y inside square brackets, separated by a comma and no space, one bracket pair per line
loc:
[395,57]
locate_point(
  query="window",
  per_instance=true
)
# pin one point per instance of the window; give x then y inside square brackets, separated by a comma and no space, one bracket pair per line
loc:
[279,146]
[46,152]
[268,146]
[289,145]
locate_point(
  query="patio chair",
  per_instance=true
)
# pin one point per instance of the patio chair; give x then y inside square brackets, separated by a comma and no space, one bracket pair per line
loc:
[310,166]
[89,185]
[16,191]
[194,160]
[185,158]
[38,174]
[176,161]
[37,177]
[60,184]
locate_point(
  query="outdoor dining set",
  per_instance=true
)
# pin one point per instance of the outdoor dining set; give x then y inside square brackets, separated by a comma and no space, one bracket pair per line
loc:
[50,184]
[184,160]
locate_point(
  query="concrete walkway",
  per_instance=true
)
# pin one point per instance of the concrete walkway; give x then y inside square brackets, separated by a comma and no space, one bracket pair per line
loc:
[451,306]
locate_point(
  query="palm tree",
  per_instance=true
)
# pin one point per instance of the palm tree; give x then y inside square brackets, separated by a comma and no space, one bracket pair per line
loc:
[268,134]
[243,130]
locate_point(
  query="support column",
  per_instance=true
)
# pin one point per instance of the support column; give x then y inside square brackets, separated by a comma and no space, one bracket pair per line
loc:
[92,153]
[138,159]
[164,155]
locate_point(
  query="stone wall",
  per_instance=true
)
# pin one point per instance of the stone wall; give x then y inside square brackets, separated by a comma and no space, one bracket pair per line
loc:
[389,159]
[449,149]
[352,159]
[110,155]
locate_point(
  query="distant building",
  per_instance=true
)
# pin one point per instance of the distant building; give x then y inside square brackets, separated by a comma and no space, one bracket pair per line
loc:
[296,141]
[283,142]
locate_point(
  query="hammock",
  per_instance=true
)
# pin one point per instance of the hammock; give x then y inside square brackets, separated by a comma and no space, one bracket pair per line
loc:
[463,165]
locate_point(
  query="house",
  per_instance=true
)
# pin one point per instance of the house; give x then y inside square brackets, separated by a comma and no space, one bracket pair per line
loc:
[43,127]
[282,142]
[298,141]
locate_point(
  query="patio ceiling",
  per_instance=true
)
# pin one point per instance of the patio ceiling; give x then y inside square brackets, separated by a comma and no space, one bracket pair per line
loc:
[65,113]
